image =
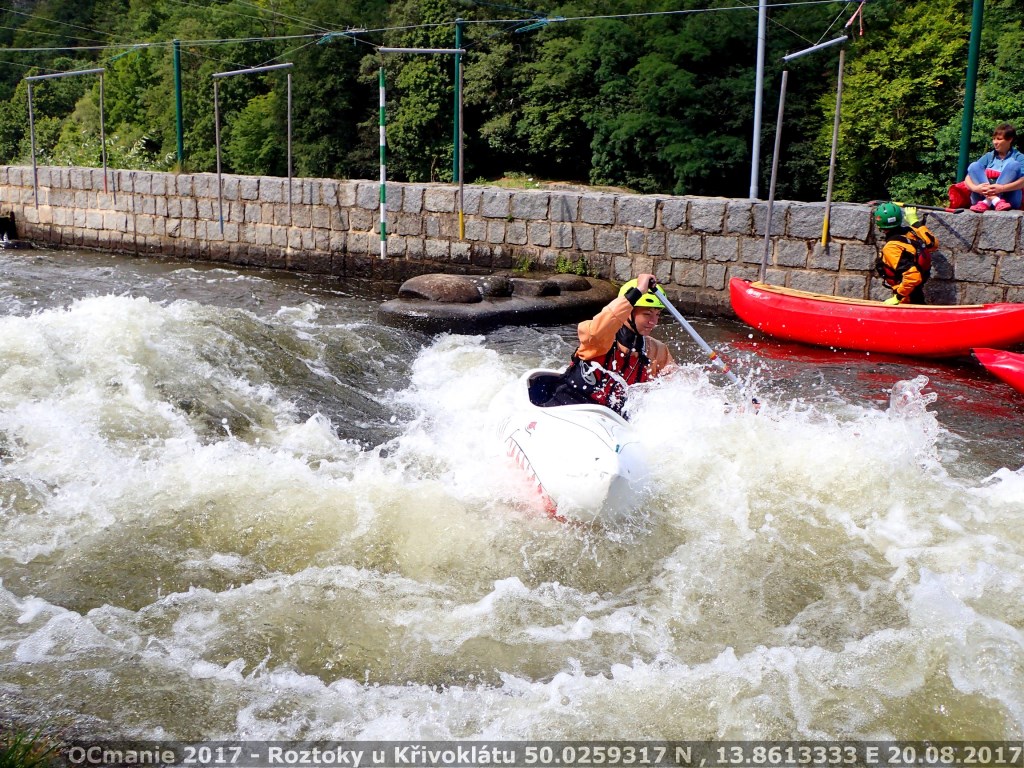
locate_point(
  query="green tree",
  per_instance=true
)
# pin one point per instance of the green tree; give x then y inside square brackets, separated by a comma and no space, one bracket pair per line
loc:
[898,93]
[255,146]
[496,78]
[420,89]
[12,131]
[559,92]
[671,118]
[656,103]
[329,103]
[52,101]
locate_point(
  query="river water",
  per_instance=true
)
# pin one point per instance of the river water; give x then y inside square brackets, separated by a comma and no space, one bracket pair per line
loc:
[233,506]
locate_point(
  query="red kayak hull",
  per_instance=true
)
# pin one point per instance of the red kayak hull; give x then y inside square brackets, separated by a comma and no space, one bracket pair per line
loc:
[870,326]
[1007,366]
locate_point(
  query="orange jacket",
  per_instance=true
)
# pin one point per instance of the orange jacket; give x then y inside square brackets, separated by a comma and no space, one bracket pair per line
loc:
[598,335]
[899,260]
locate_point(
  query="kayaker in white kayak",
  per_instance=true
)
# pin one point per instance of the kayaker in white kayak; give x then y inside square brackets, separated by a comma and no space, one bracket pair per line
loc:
[616,350]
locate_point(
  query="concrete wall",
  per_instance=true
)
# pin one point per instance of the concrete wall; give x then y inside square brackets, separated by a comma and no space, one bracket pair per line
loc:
[694,245]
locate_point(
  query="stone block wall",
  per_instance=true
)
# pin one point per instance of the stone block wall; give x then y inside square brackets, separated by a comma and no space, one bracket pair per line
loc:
[693,245]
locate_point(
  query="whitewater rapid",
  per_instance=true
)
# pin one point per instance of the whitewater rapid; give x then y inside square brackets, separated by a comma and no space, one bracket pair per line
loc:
[270,518]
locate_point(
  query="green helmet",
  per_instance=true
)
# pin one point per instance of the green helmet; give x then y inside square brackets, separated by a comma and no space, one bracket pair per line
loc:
[888,216]
[648,300]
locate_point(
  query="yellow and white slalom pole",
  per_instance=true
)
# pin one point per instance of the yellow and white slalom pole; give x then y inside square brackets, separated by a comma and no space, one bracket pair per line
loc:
[835,144]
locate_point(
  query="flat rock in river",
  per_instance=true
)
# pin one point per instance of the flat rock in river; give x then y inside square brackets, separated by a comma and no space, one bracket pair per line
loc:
[438,303]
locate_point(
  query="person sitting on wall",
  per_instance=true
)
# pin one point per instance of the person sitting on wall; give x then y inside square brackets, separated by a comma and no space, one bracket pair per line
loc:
[996,179]
[905,260]
[616,350]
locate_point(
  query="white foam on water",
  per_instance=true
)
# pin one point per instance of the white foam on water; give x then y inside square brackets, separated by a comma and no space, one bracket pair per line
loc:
[186,555]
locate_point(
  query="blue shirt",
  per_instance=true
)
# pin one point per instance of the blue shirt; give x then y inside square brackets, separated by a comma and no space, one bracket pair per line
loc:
[991,160]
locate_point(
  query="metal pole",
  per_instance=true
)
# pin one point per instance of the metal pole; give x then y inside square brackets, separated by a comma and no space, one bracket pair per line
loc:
[762,37]
[103,137]
[56,75]
[790,56]
[383,175]
[420,50]
[216,130]
[179,121]
[775,173]
[462,180]
[289,148]
[32,138]
[216,141]
[778,142]
[252,70]
[835,144]
[967,122]
[103,146]
[457,118]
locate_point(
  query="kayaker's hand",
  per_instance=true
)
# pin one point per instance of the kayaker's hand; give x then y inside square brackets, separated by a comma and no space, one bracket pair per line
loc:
[893,300]
[910,214]
[645,282]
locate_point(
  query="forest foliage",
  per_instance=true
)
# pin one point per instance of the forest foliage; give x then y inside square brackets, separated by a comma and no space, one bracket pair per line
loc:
[655,96]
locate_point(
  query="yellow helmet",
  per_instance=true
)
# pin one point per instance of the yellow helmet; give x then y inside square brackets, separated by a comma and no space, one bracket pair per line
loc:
[648,300]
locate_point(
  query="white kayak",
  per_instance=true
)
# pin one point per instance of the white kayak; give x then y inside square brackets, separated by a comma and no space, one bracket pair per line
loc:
[586,460]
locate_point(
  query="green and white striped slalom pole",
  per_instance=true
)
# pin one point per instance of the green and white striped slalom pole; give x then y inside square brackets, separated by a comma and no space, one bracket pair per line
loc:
[383,176]
[383,145]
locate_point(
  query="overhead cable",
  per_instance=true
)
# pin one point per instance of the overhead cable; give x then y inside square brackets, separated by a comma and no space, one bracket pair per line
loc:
[404,28]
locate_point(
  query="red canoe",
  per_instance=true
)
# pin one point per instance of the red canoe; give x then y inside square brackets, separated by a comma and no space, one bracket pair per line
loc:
[870,326]
[1007,366]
